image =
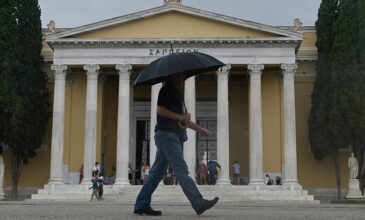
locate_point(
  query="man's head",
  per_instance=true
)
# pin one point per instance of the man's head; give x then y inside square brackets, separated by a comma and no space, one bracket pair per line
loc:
[96,163]
[177,78]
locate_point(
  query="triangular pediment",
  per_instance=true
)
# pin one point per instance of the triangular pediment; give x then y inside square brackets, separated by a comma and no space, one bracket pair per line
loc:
[174,21]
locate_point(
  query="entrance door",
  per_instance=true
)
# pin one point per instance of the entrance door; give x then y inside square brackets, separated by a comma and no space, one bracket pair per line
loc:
[207,148]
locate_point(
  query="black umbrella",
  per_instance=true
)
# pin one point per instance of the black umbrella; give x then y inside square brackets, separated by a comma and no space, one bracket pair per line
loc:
[190,62]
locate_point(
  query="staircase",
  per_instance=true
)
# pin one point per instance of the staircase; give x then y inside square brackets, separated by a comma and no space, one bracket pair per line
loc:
[166,193]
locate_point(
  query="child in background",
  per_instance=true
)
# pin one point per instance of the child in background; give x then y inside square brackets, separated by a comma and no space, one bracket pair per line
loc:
[95,189]
[100,189]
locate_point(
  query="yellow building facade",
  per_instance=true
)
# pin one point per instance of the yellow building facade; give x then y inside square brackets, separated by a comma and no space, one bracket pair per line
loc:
[132,41]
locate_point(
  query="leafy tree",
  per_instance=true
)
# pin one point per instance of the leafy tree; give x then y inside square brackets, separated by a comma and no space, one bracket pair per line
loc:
[319,134]
[358,128]
[24,97]
[345,81]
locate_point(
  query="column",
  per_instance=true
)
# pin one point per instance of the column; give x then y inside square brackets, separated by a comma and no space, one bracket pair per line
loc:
[223,124]
[190,144]
[58,124]
[123,124]
[290,144]
[92,72]
[255,125]
[154,96]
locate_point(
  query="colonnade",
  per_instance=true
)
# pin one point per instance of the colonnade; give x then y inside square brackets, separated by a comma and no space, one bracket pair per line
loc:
[123,129]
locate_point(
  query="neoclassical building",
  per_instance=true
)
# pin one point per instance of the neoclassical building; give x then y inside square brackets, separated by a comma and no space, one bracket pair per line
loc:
[257,106]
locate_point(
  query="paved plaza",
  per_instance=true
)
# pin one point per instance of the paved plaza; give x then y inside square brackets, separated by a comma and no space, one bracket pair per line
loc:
[177,210]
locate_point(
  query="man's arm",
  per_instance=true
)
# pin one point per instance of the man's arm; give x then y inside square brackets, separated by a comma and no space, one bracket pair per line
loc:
[164,112]
[202,131]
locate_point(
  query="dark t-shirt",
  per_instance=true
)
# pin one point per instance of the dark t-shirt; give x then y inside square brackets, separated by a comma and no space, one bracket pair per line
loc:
[170,98]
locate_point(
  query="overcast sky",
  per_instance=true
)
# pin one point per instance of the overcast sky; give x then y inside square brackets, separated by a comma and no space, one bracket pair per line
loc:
[74,13]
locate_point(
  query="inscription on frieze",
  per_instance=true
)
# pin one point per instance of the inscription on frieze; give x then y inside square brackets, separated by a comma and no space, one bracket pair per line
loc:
[165,51]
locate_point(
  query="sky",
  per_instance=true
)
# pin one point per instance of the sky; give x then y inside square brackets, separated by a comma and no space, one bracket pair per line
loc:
[74,13]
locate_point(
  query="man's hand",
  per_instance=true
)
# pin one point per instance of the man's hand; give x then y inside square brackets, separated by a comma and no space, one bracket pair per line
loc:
[185,117]
[204,132]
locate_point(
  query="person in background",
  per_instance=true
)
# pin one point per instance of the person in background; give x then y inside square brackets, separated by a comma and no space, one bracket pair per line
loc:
[278,180]
[146,172]
[130,174]
[81,173]
[237,173]
[268,180]
[100,189]
[96,169]
[94,188]
[203,173]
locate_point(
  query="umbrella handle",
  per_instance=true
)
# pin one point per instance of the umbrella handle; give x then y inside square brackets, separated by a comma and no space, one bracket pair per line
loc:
[183,124]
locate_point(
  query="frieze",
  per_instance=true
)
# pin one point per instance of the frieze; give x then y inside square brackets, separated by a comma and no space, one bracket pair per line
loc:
[164,48]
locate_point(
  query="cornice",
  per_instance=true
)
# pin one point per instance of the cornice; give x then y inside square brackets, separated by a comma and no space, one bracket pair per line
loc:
[182,43]
[178,8]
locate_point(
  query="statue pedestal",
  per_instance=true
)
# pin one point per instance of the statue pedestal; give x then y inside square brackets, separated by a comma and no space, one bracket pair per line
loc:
[2,195]
[353,191]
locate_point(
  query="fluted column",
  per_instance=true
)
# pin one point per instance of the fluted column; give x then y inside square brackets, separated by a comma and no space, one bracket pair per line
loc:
[123,124]
[190,144]
[154,96]
[255,130]
[58,124]
[223,124]
[290,143]
[92,72]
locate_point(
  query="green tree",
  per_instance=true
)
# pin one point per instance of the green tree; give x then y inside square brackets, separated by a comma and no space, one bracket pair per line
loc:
[345,110]
[24,97]
[358,114]
[319,134]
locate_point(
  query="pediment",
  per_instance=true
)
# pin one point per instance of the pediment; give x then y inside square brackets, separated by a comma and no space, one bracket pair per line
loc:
[174,22]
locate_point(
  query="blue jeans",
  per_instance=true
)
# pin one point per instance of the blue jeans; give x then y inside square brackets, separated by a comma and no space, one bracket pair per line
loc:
[169,151]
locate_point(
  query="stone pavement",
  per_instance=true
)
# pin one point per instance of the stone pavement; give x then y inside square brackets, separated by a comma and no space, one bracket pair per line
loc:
[177,210]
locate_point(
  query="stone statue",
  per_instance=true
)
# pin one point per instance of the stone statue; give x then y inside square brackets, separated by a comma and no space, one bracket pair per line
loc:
[297,24]
[51,26]
[166,2]
[354,167]
[353,191]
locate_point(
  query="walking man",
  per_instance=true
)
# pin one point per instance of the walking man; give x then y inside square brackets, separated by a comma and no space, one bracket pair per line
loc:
[169,138]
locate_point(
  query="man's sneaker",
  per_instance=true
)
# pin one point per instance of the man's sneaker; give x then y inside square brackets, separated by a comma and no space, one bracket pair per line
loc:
[147,211]
[207,205]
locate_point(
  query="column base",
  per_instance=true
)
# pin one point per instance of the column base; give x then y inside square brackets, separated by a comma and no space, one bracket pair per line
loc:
[122,182]
[56,182]
[256,182]
[223,183]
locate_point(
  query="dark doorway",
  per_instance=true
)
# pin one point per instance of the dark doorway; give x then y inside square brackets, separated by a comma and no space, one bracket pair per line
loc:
[143,143]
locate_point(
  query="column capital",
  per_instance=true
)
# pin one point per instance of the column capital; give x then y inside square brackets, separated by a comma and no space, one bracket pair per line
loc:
[124,70]
[289,69]
[92,71]
[255,69]
[223,71]
[60,71]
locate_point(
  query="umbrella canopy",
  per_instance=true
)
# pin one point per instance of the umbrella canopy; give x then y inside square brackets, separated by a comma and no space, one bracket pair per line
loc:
[190,62]
[213,167]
